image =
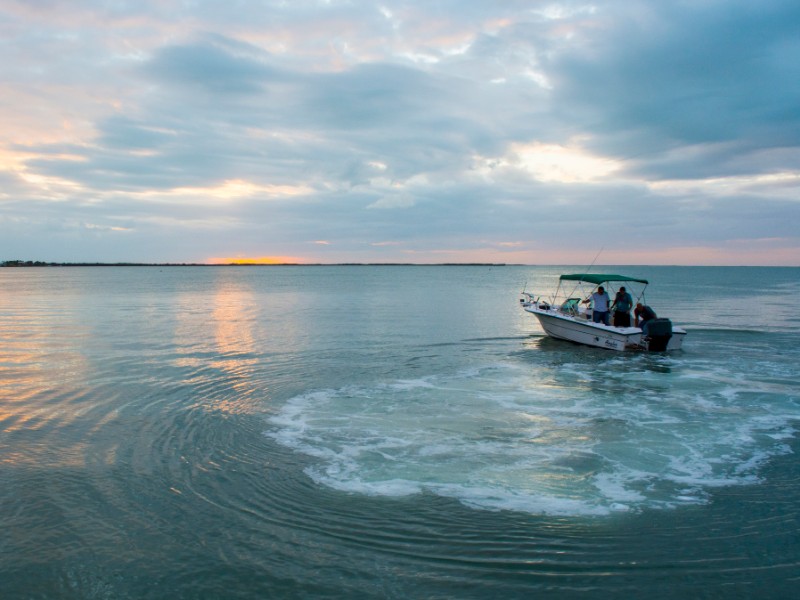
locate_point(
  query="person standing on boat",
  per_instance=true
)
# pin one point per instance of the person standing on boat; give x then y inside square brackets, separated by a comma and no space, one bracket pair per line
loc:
[600,301]
[623,303]
[643,314]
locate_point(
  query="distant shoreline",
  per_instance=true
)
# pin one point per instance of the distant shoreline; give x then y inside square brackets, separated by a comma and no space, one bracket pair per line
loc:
[30,263]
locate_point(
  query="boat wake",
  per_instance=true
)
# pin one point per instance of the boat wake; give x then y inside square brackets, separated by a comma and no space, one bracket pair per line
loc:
[569,440]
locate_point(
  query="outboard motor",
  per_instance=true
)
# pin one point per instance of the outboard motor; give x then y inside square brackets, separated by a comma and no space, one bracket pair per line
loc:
[659,332]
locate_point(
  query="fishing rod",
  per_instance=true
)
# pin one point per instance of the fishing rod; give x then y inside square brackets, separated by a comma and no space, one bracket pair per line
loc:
[596,256]
[587,269]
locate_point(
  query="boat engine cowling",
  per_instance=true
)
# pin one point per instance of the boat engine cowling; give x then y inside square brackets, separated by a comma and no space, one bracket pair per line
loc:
[659,332]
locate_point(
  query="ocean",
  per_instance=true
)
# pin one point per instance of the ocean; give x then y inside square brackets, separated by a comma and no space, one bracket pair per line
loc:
[392,432]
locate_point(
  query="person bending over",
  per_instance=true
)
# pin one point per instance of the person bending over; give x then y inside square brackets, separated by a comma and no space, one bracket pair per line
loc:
[642,314]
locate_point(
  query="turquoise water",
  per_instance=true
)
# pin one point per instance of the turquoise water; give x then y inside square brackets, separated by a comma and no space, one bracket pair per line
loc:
[391,432]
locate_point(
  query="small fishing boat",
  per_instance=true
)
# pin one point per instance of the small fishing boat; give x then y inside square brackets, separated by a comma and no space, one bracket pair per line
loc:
[566,316]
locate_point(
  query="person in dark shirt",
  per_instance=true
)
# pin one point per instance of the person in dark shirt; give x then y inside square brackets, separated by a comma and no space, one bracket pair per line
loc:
[623,302]
[642,314]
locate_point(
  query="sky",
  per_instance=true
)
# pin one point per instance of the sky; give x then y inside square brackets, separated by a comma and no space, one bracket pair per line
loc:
[412,131]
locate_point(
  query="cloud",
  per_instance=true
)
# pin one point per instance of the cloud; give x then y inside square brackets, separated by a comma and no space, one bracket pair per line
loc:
[446,129]
[215,65]
[657,77]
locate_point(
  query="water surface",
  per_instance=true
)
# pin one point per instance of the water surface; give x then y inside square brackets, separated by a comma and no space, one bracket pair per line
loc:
[391,432]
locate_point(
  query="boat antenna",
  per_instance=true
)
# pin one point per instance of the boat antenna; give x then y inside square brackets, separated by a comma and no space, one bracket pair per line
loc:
[587,269]
[596,256]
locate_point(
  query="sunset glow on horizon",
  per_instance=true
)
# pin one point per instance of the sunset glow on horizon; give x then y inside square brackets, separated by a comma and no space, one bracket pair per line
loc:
[260,260]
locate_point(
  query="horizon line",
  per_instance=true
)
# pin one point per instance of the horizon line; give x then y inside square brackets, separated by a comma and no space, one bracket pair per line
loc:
[30,263]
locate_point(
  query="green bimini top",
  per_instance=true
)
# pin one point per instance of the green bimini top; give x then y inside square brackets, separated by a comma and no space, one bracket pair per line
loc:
[598,278]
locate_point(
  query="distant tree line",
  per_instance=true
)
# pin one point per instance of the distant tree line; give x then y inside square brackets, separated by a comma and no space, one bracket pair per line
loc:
[24,263]
[39,263]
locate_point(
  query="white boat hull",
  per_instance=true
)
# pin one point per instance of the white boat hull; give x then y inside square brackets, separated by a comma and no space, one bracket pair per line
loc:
[578,329]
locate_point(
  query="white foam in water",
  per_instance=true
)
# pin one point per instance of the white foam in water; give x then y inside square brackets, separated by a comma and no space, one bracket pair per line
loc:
[506,438]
